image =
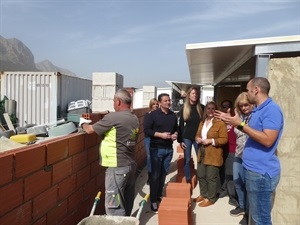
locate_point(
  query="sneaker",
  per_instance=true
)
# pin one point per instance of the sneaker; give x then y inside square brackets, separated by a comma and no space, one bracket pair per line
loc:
[154,207]
[244,221]
[233,202]
[237,211]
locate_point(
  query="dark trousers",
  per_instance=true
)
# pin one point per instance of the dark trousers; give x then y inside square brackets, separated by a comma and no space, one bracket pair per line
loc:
[208,177]
[160,163]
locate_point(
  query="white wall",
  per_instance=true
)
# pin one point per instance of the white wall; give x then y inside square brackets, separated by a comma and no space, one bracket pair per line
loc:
[138,96]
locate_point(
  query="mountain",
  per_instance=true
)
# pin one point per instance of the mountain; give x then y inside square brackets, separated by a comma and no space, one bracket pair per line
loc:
[46,65]
[16,56]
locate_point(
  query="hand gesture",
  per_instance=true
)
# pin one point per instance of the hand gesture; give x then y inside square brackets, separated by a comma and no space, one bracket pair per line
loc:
[227,118]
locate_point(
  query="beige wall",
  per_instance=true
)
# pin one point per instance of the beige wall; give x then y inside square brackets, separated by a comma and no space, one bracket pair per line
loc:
[284,77]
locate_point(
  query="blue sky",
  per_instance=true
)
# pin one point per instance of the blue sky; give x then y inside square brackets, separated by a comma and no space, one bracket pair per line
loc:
[144,40]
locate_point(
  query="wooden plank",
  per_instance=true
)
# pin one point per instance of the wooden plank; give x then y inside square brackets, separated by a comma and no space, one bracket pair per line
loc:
[8,121]
[2,128]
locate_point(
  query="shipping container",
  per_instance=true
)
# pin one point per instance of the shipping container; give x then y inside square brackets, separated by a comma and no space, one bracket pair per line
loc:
[43,97]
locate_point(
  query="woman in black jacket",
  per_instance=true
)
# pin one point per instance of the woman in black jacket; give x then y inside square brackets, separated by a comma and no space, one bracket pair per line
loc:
[189,119]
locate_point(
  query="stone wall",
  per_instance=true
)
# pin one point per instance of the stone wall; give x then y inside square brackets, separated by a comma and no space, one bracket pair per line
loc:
[284,77]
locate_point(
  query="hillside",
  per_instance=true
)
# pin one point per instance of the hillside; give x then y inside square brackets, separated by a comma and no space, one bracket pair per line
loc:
[16,56]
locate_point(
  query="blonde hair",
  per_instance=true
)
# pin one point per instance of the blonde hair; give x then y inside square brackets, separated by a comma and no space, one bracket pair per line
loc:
[187,104]
[209,103]
[152,102]
[241,99]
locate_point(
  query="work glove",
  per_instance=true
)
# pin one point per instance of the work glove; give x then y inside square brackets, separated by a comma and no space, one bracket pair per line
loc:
[82,121]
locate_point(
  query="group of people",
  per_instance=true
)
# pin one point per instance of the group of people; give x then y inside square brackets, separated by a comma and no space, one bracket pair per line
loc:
[256,123]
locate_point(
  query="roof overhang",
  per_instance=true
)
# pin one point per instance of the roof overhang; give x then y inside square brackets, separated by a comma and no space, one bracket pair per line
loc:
[234,61]
[182,86]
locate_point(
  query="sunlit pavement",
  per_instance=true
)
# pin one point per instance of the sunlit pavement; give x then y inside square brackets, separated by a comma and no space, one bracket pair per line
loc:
[217,214]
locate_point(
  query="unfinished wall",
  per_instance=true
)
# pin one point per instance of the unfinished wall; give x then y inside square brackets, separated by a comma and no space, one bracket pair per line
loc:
[284,76]
[55,182]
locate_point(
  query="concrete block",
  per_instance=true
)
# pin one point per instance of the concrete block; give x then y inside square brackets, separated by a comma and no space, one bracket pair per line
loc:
[108,78]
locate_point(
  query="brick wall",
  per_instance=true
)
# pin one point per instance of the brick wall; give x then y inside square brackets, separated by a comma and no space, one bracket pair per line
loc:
[55,182]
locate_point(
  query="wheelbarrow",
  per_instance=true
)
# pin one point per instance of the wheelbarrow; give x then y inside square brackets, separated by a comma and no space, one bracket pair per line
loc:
[113,220]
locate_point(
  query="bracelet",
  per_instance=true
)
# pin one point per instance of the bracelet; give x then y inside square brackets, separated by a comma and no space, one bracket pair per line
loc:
[241,126]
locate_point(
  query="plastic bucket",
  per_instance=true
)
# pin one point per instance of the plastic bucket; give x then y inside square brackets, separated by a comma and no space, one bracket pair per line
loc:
[109,220]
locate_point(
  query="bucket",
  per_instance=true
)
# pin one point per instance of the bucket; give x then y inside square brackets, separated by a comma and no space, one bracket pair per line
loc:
[109,220]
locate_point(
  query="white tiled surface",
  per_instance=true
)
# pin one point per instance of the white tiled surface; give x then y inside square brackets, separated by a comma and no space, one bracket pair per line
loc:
[217,214]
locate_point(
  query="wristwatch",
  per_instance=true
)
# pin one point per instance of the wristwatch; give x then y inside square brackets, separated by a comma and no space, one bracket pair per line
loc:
[241,126]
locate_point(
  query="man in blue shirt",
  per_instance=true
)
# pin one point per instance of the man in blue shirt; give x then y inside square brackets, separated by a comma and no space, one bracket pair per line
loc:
[261,165]
[161,126]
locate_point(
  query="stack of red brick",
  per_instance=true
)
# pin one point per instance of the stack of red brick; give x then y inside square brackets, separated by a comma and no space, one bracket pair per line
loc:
[175,207]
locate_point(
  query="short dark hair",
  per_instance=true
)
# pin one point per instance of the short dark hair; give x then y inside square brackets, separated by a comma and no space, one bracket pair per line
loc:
[162,95]
[263,83]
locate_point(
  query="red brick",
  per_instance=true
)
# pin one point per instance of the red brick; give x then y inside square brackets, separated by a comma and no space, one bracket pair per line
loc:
[29,159]
[180,165]
[172,211]
[180,178]
[41,221]
[83,211]
[37,183]
[93,154]
[90,140]
[89,188]
[74,200]
[62,170]
[20,215]
[178,190]
[66,187]
[95,117]
[76,143]
[57,150]
[57,214]
[68,220]
[179,149]
[44,202]
[99,139]
[101,178]
[6,168]
[94,168]
[79,161]
[82,176]
[11,196]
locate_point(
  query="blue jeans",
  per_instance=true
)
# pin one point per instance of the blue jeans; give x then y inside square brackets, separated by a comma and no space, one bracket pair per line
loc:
[239,182]
[119,190]
[160,162]
[187,157]
[260,189]
[147,147]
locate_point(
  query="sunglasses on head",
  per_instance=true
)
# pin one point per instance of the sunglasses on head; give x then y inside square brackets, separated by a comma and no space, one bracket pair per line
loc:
[225,106]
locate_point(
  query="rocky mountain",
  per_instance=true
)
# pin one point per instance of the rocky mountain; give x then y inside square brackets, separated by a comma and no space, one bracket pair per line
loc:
[16,56]
[46,65]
